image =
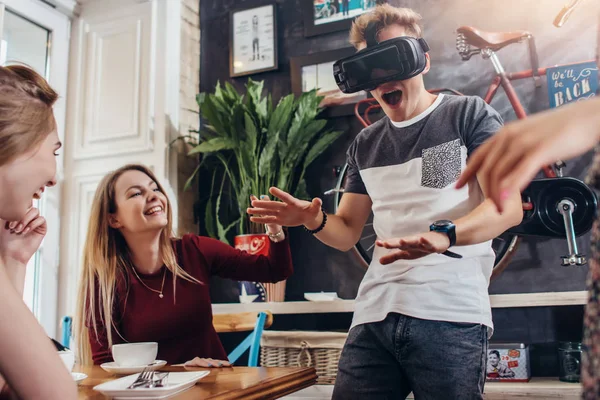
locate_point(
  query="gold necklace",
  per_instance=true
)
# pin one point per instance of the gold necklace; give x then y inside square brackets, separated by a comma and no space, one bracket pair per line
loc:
[160,293]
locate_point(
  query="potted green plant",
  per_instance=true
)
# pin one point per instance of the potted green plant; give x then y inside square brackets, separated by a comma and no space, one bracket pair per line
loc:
[257,145]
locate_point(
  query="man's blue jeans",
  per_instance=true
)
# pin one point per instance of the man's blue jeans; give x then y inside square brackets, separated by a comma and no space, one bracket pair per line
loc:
[432,359]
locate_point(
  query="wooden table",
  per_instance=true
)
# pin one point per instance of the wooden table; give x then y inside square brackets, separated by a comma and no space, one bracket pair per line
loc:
[221,383]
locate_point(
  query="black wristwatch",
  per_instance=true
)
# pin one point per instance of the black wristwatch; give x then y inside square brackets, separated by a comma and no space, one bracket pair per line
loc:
[449,229]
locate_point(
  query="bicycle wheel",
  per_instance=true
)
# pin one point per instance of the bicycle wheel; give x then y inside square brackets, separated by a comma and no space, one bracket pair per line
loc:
[504,245]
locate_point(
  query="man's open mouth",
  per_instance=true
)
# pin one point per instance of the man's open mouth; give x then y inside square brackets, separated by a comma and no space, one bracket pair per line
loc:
[392,97]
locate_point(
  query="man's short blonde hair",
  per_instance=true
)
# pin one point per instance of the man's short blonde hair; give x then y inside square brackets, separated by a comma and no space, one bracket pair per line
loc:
[385,15]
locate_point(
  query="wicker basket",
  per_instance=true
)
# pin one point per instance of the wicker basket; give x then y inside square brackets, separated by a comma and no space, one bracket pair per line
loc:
[320,350]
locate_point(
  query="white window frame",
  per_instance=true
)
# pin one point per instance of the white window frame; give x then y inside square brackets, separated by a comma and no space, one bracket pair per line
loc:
[46,299]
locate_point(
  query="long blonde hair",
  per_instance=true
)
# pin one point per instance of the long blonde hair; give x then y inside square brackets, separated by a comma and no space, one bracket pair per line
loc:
[26,117]
[106,258]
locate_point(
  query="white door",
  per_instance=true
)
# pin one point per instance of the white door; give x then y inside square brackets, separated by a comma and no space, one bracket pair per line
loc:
[34,33]
[117,111]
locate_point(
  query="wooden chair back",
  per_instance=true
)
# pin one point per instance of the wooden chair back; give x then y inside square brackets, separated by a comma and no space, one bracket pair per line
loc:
[239,322]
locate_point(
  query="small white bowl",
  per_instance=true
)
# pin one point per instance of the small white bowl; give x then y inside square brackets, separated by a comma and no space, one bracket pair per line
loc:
[78,377]
[135,354]
[68,358]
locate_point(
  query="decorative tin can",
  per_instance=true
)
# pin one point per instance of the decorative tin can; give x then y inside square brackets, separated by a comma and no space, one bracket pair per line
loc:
[508,362]
[256,244]
[253,292]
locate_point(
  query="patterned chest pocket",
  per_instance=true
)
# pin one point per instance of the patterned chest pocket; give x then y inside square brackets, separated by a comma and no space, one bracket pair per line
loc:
[441,165]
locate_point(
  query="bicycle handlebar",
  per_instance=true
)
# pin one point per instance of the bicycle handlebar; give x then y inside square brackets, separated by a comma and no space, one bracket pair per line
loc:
[565,13]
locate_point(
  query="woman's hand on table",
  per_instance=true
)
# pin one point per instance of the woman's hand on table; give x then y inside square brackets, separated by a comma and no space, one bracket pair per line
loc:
[207,363]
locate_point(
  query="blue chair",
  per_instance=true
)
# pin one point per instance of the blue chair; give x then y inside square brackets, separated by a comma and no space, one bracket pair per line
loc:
[241,322]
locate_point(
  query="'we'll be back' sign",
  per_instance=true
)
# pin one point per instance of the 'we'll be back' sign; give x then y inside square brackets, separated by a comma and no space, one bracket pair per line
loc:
[572,83]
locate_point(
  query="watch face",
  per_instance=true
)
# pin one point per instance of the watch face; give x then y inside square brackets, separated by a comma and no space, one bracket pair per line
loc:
[442,223]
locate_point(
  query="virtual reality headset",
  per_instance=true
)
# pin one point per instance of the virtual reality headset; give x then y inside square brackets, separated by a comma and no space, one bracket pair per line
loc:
[395,59]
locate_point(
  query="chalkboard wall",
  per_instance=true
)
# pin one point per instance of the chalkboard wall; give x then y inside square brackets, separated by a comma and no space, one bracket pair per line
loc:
[536,267]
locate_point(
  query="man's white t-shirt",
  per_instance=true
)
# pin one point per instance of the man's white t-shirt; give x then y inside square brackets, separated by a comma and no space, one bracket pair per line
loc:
[409,170]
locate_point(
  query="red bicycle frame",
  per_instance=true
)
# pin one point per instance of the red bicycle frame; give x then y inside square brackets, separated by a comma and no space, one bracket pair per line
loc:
[504,80]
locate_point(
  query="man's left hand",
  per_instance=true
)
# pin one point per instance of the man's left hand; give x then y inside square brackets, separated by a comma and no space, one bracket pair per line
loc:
[414,247]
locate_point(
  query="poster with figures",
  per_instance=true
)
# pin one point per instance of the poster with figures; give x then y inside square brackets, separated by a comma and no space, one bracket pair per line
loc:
[570,83]
[253,44]
[327,11]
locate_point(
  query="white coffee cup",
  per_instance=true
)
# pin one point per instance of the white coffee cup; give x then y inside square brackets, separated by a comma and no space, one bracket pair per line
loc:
[134,354]
[68,358]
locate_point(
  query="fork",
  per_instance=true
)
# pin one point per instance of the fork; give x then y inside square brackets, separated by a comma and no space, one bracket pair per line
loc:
[158,382]
[143,378]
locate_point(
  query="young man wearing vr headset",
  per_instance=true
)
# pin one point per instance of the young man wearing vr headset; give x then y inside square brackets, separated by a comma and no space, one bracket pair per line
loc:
[422,315]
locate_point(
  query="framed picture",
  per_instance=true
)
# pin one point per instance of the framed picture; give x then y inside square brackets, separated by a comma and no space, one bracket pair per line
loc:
[325,16]
[253,40]
[315,71]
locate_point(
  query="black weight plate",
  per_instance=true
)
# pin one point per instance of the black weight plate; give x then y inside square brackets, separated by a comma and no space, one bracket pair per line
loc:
[556,189]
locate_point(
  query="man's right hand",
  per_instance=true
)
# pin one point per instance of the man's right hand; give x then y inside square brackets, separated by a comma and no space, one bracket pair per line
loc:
[290,211]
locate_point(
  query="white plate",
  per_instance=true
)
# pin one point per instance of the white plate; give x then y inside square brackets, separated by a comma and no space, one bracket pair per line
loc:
[323,296]
[176,383]
[113,368]
[78,377]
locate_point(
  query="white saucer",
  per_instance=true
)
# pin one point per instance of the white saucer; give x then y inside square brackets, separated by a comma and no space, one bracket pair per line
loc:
[113,368]
[78,377]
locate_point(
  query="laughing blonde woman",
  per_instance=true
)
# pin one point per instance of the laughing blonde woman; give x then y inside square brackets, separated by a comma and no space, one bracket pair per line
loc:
[140,284]
[30,367]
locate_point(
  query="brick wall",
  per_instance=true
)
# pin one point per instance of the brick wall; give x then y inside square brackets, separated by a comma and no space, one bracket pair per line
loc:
[188,117]
[190,63]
